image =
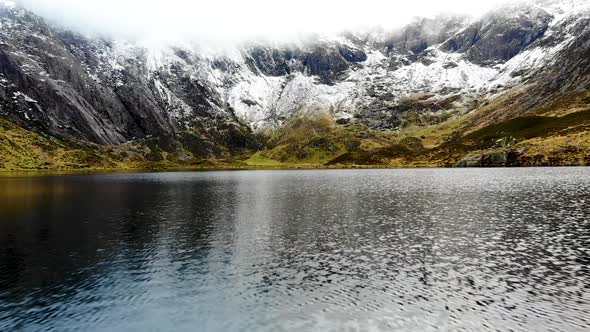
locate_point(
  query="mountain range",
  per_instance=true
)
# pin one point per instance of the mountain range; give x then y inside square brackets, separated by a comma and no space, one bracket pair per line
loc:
[509,88]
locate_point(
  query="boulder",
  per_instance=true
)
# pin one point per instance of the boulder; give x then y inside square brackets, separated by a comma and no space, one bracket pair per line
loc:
[489,159]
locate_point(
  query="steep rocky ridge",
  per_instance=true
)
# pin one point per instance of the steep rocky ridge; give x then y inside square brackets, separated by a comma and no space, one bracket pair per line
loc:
[189,103]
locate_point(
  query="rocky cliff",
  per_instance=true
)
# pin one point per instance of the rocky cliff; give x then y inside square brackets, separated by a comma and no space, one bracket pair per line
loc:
[186,102]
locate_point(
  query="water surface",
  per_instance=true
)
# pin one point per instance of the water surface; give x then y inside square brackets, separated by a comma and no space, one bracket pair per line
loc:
[404,250]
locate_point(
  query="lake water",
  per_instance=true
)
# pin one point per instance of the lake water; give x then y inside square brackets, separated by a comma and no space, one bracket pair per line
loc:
[341,250]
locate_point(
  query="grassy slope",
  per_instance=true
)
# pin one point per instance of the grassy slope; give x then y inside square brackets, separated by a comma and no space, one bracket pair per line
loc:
[558,134]
[312,141]
[24,150]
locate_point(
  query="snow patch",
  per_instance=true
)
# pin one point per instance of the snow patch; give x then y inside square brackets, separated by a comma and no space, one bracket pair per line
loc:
[18,94]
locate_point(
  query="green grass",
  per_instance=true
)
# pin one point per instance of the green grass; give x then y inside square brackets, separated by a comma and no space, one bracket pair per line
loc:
[305,140]
[24,150]
[258,159]
[21,149]
[528,127]
[315,141]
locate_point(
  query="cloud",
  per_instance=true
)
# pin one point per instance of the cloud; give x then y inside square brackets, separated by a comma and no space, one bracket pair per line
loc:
[236,20]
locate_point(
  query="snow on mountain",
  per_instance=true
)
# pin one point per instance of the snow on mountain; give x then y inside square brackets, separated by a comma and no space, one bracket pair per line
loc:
[8,3]
[366,77]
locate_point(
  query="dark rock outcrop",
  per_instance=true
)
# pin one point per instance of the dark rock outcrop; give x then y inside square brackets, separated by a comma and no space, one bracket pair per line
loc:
[416,37]
[60,83]
[501,35]
[327,61]
[490,159]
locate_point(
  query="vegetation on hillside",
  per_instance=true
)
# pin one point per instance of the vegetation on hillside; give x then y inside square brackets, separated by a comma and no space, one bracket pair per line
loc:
[24,150]
[555,135]
[21,149]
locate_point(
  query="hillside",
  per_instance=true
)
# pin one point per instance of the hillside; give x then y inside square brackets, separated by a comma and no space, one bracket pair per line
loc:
[507,88]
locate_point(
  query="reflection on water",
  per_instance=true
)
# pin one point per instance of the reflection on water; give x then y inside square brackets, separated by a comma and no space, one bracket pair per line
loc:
[412,250]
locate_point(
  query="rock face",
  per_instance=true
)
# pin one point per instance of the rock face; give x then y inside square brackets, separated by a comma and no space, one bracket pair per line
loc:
[422,34]
[501,35]
[489,159]
[113,91]
[65,84]
[325,60]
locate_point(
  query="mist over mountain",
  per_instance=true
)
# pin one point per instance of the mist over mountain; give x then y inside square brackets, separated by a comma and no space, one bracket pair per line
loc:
[358,85]
[230,21]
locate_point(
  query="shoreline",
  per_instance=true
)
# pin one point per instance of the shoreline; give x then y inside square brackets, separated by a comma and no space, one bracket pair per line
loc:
[42,172]
[66,172]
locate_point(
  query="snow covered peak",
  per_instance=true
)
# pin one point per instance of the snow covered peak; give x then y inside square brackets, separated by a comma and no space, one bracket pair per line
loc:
[371,77]
[561,7]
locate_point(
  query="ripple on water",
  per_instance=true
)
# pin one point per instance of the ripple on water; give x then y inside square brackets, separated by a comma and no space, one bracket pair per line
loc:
[413,250]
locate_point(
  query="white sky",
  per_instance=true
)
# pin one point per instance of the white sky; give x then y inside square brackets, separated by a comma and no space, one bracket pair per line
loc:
[235,20]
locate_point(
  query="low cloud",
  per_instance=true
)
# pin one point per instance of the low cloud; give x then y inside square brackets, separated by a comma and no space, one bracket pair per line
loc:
[228,21]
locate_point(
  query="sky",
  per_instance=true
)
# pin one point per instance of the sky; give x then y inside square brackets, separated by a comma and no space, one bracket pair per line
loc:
[229,21]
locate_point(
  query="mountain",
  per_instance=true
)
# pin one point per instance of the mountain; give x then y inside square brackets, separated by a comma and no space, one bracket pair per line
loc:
[428,93]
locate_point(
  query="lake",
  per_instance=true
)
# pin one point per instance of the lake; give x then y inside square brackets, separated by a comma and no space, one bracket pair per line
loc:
[309,250]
